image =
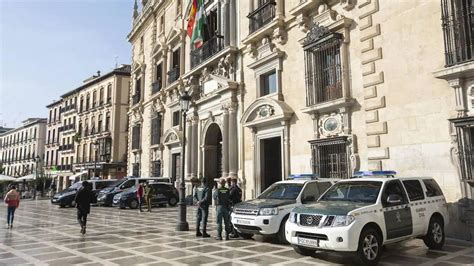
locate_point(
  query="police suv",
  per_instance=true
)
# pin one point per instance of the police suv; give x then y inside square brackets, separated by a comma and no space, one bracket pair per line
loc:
[362,214]
[267,214]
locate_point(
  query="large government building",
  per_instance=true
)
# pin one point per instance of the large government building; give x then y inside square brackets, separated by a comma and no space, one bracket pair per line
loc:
[87,129]
[306,86]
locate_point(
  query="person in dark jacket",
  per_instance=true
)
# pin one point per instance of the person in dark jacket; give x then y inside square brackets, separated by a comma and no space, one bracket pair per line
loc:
[221,198]
[235,196]
[83,200]
[202,196]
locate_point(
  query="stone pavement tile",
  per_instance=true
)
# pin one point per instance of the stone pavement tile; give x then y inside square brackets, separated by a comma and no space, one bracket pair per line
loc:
[232,263]
[53,256]
[207,248]
[68,261]
[263,248]
[113,254]
[392,258]
[462,260]
[132,244]
[422,252]
[300,263]
[184,244]
[197,260]
[97,249]
[151,248]
[172,254]
[444,264]
[233,254]
[13,261]
[161,263]
[42,250]
[449,248]
[133,260]
[289,254]
[28,246]
[7,256]
[263,259]
[239,243]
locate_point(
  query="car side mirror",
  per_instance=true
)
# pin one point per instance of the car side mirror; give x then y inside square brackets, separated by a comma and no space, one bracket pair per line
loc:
[308,199]
[394,199]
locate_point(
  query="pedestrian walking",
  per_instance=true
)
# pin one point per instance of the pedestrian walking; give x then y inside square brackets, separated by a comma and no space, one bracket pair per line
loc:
[140,196]
[235,196]
[148,195]
[84,197]
[12,199]
[221,198]
[202,196]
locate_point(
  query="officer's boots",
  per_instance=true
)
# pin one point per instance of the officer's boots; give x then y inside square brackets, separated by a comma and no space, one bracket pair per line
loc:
[198,232]
[226,236]
[205,234]
[219,236]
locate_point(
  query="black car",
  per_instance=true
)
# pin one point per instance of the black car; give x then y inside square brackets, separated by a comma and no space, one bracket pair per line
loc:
[105,196]
[163,193]
[67,196]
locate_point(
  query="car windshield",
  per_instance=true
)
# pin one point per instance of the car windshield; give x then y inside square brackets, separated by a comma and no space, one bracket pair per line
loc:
[282,191]
[353,191]
[114,184]
[75,186]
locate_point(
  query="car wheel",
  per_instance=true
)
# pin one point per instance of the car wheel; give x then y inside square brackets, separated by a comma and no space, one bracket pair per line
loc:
[133,204]
[434,239]
[281,237]
[246,236]
[370,247]
[303,251]
[173,201]
[62,206]
[73,204]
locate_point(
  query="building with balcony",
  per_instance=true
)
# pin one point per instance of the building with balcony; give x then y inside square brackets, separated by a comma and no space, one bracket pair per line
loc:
[22,148]
[53,133]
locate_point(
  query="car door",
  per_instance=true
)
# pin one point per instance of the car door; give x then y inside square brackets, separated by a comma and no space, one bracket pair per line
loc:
[418,208]
[160,192]
[398,217]
[310,193]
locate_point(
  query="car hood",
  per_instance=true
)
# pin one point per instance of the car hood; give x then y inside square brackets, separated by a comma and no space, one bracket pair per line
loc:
[66,192]
[264,203]
[330,207]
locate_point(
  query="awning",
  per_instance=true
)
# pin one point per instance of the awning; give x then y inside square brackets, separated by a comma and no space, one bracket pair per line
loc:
[73,177]
[7,178]
[27,177]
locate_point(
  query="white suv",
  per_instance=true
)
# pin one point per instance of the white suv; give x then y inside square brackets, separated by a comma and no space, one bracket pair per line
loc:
[363,214]
[267,214]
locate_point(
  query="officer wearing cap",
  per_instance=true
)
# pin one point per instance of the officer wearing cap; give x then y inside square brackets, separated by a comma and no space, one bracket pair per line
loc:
[202,196]
[221,198]
[235,196]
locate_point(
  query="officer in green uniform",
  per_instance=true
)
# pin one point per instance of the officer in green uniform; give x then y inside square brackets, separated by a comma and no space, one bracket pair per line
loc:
[202,196]
[221,198]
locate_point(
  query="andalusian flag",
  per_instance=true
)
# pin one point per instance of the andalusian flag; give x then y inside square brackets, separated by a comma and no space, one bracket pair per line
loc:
[196,22]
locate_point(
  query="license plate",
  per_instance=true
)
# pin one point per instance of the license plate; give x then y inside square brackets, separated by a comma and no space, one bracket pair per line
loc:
[54,200]
[308,242]
[239,221]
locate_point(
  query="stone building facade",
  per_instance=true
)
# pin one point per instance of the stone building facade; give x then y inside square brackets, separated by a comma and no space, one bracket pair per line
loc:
[307,86]
[87,131]
[22,148]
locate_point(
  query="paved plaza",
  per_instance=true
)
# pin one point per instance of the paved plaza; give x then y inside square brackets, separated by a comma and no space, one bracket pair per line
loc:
[46,234]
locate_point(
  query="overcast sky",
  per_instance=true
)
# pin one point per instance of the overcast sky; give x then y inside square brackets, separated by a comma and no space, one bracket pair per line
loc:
[48,47]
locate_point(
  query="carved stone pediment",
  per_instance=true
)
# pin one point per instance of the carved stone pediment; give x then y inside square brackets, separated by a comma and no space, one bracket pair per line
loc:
[172,137]
[266,111]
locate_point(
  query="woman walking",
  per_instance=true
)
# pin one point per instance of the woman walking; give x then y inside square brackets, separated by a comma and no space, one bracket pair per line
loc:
[12,199]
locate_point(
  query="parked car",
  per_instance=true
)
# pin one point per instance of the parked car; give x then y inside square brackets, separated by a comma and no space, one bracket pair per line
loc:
[267,214]
[66,197]
[105,196]
[363,214]
[163,193]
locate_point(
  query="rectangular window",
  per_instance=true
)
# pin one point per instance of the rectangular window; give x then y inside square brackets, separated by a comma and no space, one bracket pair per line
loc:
[136,137]
[268,83]
[155,130]
[176,59]
[414,190]
[156,168]
[162,24]
[465,139]
[323,70]
[432,188]
[136,170]
[329,158]
[176,118]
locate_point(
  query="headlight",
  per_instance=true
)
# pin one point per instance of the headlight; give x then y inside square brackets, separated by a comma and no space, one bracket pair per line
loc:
[339,220]
[292,217]
[269,211]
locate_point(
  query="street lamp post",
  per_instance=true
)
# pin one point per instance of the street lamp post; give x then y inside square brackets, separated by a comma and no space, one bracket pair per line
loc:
[182,223]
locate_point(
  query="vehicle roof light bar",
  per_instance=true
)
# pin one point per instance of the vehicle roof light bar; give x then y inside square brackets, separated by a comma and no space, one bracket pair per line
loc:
[389,173]
[301,176]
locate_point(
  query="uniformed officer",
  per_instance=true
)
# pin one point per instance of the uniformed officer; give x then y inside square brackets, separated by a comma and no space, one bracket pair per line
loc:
[221,198]
[202,196]
[235,195]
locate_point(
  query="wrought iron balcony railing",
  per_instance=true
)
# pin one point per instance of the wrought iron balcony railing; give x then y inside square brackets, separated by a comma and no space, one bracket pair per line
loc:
[208,49]
[136,99]
[156,86]
[173,75]
[261,16]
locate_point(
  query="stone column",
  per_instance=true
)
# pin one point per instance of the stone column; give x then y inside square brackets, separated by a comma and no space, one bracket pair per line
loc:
[188,142]
[225,142]
[233,158]
[232,23]
[456,84]
[280,11]
[286,148]
[194,147]
[182,52]
[225,22]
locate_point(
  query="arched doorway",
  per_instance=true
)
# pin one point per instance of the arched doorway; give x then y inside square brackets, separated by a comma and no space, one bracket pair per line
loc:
[213,153]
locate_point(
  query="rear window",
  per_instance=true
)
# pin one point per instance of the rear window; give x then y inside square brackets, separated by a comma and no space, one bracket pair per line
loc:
[414,189]
[102,184]
[432,188]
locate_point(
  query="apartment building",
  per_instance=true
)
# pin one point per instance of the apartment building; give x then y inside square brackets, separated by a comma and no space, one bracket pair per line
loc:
[51,158]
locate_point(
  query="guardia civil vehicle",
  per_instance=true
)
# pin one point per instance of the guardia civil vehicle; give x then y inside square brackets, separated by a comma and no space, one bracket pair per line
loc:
[364,213]
[267,214]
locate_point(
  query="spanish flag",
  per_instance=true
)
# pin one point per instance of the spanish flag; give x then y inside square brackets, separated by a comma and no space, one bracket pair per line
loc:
[196,22]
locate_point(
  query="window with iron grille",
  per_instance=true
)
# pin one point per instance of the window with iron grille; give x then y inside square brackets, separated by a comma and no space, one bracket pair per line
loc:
[136,137]
[330,158]
[156,168]
[458,28]
[323,66]
[156,130]
[465,136]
